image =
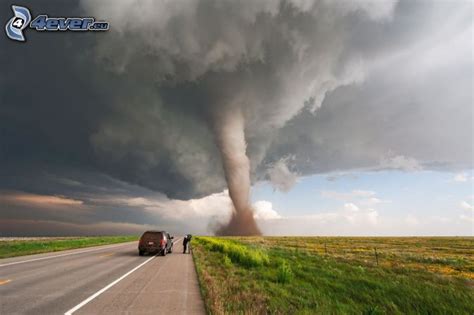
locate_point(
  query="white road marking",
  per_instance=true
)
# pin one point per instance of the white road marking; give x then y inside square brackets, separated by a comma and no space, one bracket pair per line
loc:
[61,255]
[93,296]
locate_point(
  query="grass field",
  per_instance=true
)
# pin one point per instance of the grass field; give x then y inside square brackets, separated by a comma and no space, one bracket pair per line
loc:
[27,247]
[336,275]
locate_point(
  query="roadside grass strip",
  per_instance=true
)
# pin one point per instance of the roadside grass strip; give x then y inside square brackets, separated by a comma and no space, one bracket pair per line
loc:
[29,247]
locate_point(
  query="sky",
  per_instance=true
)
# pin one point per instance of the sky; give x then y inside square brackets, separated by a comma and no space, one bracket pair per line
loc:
[358,117]
[381,203]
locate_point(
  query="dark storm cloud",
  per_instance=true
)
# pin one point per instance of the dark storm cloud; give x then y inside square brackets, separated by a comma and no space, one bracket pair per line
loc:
[324,86]
[57,105]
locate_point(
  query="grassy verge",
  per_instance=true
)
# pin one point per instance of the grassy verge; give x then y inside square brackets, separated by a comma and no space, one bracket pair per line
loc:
[28,247]
[336,275]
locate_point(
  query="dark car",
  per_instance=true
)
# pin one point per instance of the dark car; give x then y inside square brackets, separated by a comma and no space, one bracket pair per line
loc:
[154,242]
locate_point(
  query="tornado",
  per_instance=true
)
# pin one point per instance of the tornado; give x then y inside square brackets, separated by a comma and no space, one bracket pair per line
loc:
[191,83]
[229,131]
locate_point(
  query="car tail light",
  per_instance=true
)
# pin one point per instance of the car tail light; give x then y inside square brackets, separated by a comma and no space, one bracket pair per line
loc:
[162,243]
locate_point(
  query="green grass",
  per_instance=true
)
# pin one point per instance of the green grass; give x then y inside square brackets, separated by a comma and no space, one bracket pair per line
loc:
[28,247]
[235,252]
[336,275]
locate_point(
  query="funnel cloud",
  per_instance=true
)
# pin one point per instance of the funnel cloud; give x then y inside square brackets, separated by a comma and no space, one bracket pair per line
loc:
[230,137]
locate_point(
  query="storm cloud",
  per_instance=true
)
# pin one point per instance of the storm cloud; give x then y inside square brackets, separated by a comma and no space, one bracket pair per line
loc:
[323,86]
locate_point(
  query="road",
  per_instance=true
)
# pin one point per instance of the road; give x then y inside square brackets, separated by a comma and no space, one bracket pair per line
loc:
[109,279]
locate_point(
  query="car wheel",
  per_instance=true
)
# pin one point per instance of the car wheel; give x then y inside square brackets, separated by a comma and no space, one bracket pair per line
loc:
[140,252]
[163,252]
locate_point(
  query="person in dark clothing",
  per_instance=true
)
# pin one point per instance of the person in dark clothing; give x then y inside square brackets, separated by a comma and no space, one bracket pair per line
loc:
[186,241]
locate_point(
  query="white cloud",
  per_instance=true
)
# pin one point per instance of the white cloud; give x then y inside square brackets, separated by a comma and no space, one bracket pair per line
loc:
[362,217]
[349,213]
[372,216]
[214,205]
[466,206]
[263,210]
[218,204]
[468,215]
[358,207]
[351,207]
[461,177]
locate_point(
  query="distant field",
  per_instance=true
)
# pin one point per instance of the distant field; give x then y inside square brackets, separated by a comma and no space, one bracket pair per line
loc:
[336,275]
[23,246]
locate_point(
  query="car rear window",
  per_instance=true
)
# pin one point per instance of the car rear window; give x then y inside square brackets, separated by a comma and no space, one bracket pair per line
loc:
[152,236]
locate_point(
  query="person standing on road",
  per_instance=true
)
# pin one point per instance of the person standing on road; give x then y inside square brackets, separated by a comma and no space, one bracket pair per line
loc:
[186,241]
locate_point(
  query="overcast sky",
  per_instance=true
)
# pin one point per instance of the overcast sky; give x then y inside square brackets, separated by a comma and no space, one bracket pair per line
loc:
[358,117]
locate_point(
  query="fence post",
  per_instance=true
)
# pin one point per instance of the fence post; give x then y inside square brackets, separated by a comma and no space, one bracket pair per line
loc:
[376,256]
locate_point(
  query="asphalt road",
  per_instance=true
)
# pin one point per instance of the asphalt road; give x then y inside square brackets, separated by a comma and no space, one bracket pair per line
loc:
[109,279]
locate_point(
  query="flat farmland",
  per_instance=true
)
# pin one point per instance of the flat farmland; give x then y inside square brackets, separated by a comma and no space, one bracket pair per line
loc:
[336,275]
